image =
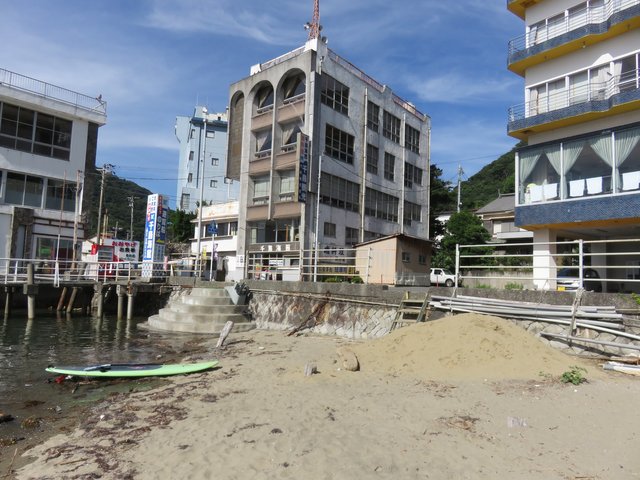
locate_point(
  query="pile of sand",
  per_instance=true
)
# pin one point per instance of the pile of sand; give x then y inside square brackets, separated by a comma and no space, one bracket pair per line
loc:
[461,347]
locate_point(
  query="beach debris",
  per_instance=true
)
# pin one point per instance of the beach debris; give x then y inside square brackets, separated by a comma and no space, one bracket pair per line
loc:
[513,422]
[309,369]
[5,417]
[348,359]
[622,368]
[224,333]
[31,422]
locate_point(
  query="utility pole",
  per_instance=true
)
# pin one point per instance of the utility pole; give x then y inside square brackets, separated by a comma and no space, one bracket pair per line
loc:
[131,226]
[106,168]
[203,139]
[460,173]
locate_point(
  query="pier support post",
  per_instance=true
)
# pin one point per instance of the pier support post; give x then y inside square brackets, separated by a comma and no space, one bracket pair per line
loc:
[72,299]
[8,300]
[63,294]
[30,289]
[98,299]
[120,292]
[130,296]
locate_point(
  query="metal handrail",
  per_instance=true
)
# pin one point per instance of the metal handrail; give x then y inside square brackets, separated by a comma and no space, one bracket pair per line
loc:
[570,23]
[592,91]
[47,90]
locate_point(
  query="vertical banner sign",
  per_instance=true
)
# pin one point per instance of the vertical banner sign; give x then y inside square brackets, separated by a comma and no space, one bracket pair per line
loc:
[303,171]
[155,235]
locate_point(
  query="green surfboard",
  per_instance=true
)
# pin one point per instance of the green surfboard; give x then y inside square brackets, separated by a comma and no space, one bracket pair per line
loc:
[118,370]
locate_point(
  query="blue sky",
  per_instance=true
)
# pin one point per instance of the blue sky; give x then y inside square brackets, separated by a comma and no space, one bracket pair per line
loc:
[152,60]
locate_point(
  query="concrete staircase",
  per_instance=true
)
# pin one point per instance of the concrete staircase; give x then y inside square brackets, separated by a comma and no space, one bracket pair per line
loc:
[205,310]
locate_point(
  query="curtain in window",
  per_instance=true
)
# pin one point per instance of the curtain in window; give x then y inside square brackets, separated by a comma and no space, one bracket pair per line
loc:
[617,71]
[287,182]
[570,153]
[554,155]
[603,148]
[261,187]
[528,161]
[625,143]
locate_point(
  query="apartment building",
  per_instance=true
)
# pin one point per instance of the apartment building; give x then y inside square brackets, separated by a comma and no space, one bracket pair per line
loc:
[326,157]
[48,141]
[203,156]
[578,178]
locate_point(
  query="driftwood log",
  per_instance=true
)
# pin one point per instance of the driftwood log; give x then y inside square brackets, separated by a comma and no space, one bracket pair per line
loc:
[224,333]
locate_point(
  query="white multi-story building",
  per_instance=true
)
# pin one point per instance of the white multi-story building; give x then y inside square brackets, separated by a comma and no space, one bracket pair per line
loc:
[326,156]
[578,178]
[196,180]
[48,140]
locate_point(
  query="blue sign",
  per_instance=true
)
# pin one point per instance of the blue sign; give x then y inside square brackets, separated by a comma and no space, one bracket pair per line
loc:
[212,228]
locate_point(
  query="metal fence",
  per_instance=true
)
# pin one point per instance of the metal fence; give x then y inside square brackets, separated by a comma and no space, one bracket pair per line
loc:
[598,265]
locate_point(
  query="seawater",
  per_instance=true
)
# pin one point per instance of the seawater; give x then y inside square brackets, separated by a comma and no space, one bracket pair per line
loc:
[27,347]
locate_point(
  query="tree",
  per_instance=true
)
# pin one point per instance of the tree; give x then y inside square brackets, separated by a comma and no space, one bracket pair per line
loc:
[180,226]
[442,200]
[463,228]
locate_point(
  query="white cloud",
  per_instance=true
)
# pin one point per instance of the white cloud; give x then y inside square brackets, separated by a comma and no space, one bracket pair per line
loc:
[223,17]
[452,87]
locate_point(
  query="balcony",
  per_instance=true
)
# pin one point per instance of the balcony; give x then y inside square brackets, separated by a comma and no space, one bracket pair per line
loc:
[518,7]
[581,27]
[293,108]
[575,105]
[287,158]
[263,118]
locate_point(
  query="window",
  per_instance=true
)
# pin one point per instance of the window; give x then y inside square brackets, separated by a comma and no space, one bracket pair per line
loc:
[264,99]
[190,178]
[389,166]
[329,230]
[334,94]
[54,248]
[213,183]
[381,205]
[263,144]
[373,155]
[261,190]
[185,200]
[412,174]
[293,88]
[34,132]
[391,127]
[287,185]
[422,259]
[193,132]
[373,116]
[351,235]
[215,162]
[406,257]
[211,134]
[60,194]
[412,213]
[290,134]
[191,155]
[340,193]
[24,190]
[338,144]
[412,139]
[578,88]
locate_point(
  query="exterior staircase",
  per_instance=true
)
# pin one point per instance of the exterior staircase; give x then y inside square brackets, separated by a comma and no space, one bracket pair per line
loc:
[205,310]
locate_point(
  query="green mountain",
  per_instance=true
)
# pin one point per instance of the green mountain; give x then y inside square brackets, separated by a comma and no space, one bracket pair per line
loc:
[493,179]
[116,205]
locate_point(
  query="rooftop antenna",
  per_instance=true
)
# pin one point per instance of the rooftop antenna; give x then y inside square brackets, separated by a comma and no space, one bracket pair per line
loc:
[314,26]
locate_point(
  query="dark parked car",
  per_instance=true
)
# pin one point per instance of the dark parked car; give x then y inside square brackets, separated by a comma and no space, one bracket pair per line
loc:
[568,279]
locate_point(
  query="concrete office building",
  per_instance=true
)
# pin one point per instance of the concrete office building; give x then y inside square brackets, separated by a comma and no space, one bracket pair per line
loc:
[48,140]
[578,178]
[197,148]
[311,111]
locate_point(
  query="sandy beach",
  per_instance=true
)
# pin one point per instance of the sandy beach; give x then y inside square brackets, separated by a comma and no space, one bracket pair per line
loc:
[464,397]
